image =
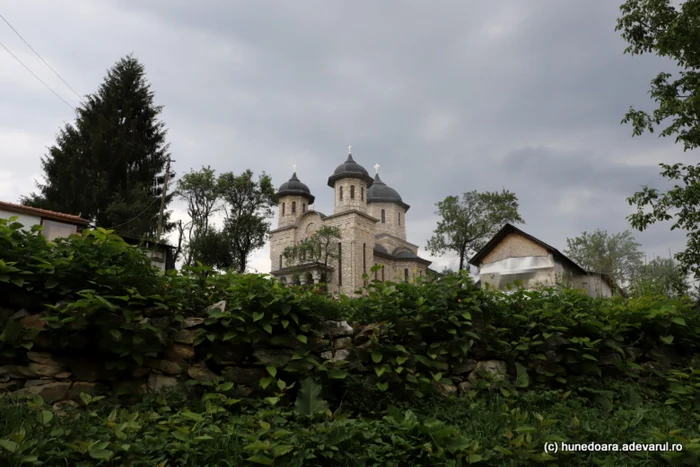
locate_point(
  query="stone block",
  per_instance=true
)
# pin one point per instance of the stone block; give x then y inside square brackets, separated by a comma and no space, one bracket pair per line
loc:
[169,367]
[221,306]
[464,367]
[34,322]
[191,322]
[80,387]
[185,336]
[492,368]
[243,375]
[200,372]
[45,370]
[342,343]
[445,389]
[336,328]
[157,382]
[179,351]
[51,392]
[276,357]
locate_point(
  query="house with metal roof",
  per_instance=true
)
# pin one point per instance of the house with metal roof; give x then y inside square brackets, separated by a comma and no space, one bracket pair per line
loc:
[513,257]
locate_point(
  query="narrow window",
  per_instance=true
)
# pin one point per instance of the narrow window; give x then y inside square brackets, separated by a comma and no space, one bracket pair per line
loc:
[405,275]
[352,191]
[340,264]
[283,206]
[341,193]
[294,207]
[362,193]
[303,207]
[383,218]
[375,273]
[399,217]
[382,273]
[364,257]
[280,261]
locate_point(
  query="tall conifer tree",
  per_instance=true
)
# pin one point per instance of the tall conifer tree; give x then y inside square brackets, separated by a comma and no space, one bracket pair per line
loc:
[108,165]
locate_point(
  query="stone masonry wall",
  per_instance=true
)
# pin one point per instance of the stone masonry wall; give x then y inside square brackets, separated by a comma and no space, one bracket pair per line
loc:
[61,378]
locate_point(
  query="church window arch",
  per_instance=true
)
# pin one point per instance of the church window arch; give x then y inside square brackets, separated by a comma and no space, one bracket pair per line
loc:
[405,274]
[362,193]
[284,205]
[340,191]
[352,191]
[303,207]
[383,216]
[399,217]
[294,207]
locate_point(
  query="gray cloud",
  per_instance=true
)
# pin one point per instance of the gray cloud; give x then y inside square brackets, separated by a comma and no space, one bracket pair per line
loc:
[446,96]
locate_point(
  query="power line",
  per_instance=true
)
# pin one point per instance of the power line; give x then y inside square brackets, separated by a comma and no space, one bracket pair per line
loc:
[40,57]
[35,75]
[136,216]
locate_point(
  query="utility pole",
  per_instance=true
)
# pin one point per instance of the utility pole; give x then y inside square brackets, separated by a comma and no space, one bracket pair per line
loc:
[162,199]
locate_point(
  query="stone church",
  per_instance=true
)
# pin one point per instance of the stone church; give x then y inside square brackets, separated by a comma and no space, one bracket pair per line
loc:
[371,218]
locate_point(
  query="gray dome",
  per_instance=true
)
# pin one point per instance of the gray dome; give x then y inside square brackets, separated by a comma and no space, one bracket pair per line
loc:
[380,192]
[295,188]
[349,169]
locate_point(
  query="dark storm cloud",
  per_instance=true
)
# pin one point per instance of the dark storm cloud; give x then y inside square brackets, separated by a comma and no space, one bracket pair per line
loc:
[447,96]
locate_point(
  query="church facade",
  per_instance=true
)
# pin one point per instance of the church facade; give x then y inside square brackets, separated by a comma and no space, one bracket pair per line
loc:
[371,218]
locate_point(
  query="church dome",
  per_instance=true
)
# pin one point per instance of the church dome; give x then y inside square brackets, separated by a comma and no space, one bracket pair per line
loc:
[295,188]
[380,192]
[349,169]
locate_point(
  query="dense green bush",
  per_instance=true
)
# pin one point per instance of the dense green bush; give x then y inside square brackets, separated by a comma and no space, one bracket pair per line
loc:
[581,369]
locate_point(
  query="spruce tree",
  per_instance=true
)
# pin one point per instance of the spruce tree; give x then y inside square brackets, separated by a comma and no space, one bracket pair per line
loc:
[108,165]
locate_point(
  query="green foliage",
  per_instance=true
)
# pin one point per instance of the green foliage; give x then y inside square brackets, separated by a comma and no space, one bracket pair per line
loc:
[247,205]
[661,276]
[201,191]
[574,372]
[617,255]
[467,224]
[106,165]
[661,28]
[321,248]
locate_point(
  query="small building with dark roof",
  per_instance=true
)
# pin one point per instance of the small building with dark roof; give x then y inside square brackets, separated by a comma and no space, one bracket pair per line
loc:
[513,257]
[371,217]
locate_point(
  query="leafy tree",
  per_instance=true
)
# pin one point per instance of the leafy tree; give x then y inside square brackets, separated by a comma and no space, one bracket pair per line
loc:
[469,223]
[660,28]
[106,165]
[202,193]
[617,255]
[320,247]
[661,276]
[248,207]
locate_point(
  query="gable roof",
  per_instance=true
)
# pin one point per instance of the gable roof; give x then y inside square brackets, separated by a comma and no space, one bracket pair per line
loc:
[509,229]
[44,213]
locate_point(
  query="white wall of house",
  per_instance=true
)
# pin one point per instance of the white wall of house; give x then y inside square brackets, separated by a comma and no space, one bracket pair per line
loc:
[26,220]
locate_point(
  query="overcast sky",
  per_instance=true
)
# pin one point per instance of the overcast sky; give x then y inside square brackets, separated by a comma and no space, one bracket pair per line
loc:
[446,96]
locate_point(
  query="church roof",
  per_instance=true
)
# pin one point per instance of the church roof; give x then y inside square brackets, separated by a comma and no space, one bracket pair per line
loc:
[295,188]
[400,253]
[349,169]
[380,192]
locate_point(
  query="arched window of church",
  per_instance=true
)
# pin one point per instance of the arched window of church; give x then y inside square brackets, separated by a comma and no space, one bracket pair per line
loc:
[294,207]
[382,273]
[352,191]
[341,193]
[362,193]
[405,275]
[280,261]
[283,206]
[383,216]
[303,207]
[399,217]
[375,273]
